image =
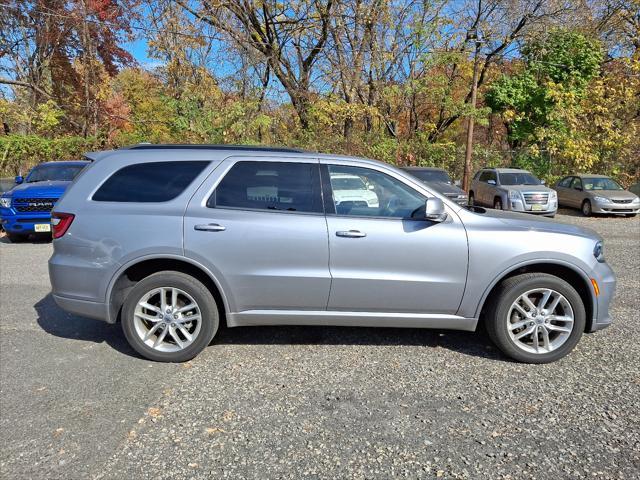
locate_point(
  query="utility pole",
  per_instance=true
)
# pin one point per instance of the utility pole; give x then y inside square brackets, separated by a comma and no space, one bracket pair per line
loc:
[466,177]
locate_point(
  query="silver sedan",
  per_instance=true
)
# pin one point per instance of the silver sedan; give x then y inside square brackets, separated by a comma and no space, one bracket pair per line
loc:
[596,194]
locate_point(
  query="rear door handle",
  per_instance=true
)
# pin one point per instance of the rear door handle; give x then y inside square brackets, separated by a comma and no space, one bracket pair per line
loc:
[351,233]
[210,227]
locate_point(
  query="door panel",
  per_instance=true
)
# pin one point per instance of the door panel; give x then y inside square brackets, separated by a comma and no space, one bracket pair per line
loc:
[399,266]
[382,259]
[265,259]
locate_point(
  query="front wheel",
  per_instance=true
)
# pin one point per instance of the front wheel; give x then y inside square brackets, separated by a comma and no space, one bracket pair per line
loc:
[472,200]
[535,318]
[169,317]
[587,211]
[497,204]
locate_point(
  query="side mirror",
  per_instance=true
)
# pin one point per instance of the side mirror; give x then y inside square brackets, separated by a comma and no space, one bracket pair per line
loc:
[542,182]
[371,187]
[19,179]
[434,210]
[491,182]
[457,183]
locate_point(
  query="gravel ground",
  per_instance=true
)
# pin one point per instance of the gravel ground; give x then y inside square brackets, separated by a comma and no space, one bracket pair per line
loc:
[290,402]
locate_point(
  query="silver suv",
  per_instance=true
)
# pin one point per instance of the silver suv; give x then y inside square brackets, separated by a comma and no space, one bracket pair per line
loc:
[173,241]
[512,189]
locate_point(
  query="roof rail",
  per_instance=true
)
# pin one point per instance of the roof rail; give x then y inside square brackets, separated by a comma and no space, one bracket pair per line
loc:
[240,148]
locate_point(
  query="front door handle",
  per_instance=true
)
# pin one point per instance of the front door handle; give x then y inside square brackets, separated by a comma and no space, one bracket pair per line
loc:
[210,227]
[351,234]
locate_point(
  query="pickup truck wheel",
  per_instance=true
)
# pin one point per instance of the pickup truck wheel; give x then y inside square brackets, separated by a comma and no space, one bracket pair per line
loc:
[169,317]
[16,237]
[535,318]
[497,204]
[472,199]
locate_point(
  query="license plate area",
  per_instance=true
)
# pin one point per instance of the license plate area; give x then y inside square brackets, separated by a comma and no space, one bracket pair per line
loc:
[537,208]
[42,227]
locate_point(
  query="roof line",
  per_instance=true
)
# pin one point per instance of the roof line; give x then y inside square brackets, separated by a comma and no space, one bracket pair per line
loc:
[242,148]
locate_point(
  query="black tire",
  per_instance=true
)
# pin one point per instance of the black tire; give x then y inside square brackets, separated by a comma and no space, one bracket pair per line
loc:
[497,203]
[587,211]
[498,310]
[471,199]
[17,237]
[199,293]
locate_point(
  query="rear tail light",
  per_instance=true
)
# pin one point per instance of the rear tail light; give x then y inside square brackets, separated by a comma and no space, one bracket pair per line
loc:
[61,223]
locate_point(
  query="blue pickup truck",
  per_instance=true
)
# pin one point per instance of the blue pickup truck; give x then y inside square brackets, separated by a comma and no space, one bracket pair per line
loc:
[26,208]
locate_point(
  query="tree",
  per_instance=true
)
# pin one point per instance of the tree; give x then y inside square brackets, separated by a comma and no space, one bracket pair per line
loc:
[288,36]
[540,103]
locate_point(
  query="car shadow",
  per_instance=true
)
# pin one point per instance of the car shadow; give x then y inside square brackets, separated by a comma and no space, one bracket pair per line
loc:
[55,321]
[476,344]
[33,239]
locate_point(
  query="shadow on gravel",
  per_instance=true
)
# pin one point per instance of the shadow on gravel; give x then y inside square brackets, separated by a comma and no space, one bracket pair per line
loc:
[469,343]
[59,323]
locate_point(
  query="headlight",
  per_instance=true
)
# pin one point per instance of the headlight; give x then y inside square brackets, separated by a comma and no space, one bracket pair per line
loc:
[5,202]
[636,200]
[514,195]
[462,196]
[554,194]
[601,199]
[598,251]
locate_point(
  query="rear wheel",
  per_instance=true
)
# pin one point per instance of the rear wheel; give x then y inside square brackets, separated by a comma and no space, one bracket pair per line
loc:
[535,318]
[169,317]
[586,208]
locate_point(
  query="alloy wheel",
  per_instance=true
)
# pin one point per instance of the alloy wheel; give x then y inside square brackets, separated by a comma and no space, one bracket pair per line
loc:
[540,321]
[167,319]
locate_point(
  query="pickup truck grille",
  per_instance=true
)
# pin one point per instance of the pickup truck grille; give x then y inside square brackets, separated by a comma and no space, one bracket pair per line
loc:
[34,204]
[541,198]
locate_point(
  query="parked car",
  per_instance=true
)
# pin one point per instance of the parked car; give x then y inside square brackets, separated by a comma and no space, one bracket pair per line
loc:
[174,240]
[440,180]
[350,191]
[596,194]
[512,189]
[26,208]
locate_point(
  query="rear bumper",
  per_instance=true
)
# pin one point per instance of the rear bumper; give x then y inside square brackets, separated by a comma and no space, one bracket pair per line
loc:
[83,308]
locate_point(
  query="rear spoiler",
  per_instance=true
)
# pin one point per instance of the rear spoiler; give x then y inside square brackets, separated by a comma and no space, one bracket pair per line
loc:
[95,156]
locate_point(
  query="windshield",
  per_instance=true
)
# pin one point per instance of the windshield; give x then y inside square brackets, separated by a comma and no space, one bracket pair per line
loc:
[518,178]
[431,175]
[350,183]
[601,184]
[51,172]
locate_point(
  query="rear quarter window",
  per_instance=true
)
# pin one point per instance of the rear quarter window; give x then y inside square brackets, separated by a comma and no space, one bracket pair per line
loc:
[149,182]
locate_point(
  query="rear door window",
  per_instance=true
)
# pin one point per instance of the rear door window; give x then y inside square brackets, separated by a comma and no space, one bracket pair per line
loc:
[149,182]
[273,186]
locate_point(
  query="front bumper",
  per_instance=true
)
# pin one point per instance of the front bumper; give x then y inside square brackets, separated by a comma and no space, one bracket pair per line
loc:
[615,208]
[549,208]
[23,222]
[606,280]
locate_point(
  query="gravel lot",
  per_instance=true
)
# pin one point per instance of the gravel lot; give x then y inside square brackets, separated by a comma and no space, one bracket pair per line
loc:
[289,402]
